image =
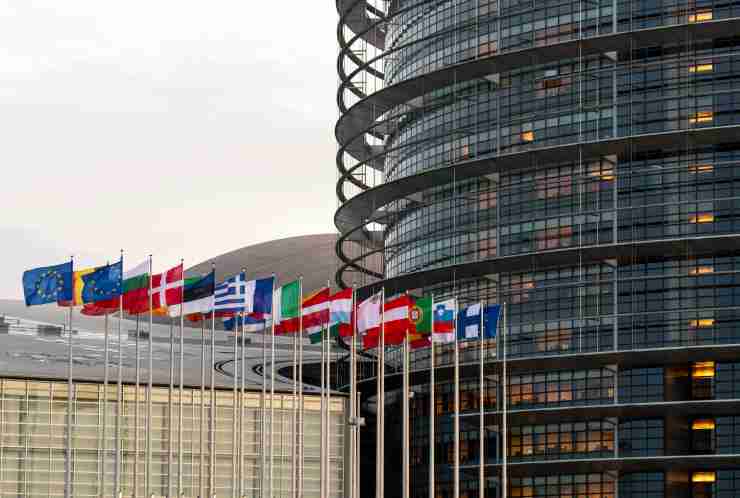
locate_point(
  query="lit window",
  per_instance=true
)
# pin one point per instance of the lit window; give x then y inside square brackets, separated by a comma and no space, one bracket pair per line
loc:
[701,270]
[707,67]
[527,136]
[606,175]
[701,218]
[704,424]
[701,16]
[702,323]
[703,477]
[702,117]
[701,168]
[703,369]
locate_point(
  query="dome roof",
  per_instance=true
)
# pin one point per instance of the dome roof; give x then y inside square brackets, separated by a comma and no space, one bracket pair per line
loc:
[311,256]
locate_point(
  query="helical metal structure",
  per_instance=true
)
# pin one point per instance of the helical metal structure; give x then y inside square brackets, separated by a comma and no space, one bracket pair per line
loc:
[576,160]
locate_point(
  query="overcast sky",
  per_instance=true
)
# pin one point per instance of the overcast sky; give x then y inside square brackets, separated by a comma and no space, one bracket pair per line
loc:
[181,128]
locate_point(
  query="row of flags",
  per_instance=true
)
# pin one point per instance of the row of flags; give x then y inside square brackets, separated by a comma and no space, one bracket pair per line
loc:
[249,303]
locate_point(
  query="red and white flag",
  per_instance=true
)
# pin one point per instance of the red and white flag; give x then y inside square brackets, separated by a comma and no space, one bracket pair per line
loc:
[368,315]
[316,310]
[167,288]
[395,323]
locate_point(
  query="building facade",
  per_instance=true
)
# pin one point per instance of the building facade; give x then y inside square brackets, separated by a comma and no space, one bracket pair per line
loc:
[209,437]
[576,160]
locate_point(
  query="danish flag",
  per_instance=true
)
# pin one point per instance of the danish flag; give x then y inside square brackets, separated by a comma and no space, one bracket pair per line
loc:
[167,291]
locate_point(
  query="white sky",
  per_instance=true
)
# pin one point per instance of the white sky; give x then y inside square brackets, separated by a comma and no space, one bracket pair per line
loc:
[182,128]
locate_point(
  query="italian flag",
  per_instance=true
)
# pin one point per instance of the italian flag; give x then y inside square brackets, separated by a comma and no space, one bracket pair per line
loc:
[288,301]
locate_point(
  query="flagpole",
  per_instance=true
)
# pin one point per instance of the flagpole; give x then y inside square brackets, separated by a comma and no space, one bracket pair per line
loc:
[234,427]
[432,410]
[263,406]
[504,444]
[406,492]
[301,413]
[119,400]
[169,406]
[241,407]
[481,427]
[214,405]
[380,403]
[352,395]
[148,476]
[70,392]
[136,412]
[105,405]
[456,420]
[201,440]
[294,421]
[322,439]
[180,395]
[272,402]
[328,404]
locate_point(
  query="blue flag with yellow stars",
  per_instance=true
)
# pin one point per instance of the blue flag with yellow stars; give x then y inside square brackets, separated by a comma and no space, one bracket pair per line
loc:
[48,284]
[102,284]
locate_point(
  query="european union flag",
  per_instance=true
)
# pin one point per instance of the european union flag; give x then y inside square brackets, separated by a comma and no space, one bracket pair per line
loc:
[48,284]
[490,320]
[102,284]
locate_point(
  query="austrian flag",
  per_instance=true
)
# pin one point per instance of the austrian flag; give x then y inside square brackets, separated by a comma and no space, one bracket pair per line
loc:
[167,288]
[395,323]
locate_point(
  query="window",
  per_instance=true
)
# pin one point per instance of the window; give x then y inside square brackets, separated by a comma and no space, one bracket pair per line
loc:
[701,218]
[701,117]
[702,436]
[641,438]
[702,380]
[701,168]
[701,15]
[706,67]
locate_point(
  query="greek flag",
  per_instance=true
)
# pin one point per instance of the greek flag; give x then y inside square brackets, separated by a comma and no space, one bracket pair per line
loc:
[230,295]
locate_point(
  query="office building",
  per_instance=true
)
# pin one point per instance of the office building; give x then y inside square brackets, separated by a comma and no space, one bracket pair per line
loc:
[576,160]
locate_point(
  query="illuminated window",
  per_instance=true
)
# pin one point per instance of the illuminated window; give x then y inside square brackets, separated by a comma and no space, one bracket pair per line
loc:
[702,369]
[703,477]
[486,48]
[702,117]
[527,136]
[706,67]
[701,270]
[703,424]
[701,16]
[606,175]
[701,323]
[701,218]
[701,168]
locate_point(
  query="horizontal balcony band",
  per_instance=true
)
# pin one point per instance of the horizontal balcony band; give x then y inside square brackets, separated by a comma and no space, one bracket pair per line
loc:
[531,416]
[532,261]
[353,214]
[629,358]
[361,117]
[623,465]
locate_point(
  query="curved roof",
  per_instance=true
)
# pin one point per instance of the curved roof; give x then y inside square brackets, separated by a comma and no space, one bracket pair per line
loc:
[311,256]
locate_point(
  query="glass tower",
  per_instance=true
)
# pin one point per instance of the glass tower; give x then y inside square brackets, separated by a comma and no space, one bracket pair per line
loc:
[577,161]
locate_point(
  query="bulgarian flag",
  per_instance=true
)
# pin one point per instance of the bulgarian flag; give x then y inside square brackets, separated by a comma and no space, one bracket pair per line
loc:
[288,313]
[340,311]
[136,289]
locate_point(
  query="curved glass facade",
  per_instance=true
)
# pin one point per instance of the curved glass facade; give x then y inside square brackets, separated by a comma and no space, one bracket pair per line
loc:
[577,160]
